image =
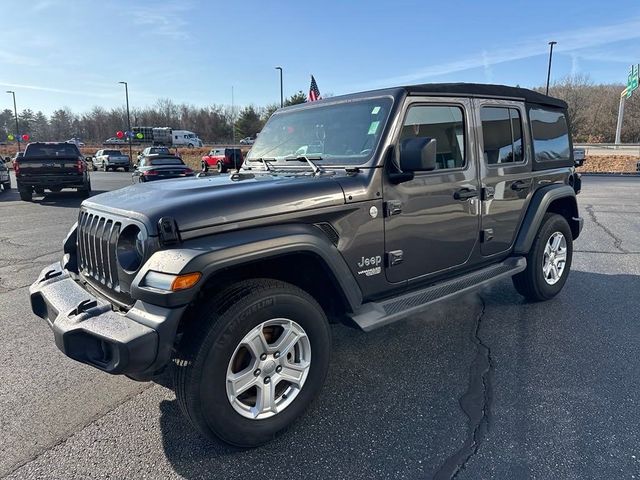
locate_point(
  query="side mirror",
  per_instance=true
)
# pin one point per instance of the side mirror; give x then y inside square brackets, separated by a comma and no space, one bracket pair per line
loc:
[418,154]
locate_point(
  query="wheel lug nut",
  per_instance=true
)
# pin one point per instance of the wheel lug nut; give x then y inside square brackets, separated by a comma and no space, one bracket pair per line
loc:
[263,357]
[267,380]
[257,372]
[276,355]
[279,368]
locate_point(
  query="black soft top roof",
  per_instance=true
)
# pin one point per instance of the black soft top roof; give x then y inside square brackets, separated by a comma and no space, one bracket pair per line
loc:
[487,90]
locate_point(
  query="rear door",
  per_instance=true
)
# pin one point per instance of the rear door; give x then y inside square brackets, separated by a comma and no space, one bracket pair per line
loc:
[503,142]
[432,221]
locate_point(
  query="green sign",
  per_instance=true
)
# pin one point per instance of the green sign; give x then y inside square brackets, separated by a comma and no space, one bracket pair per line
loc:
[632,79]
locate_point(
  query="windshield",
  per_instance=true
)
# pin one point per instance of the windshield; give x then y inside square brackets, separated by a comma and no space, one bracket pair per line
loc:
[342,133]
[166,161]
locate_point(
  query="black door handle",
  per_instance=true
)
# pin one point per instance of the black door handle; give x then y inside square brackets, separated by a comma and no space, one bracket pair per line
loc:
[519,185]
[465,193]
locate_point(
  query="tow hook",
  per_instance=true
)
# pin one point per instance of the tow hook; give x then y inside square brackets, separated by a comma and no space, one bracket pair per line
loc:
[83,306]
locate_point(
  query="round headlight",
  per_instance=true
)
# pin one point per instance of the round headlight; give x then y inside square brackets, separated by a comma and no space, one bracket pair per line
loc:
[130,248]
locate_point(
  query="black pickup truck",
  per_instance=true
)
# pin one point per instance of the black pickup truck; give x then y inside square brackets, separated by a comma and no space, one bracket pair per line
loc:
[363,209]
[51,165]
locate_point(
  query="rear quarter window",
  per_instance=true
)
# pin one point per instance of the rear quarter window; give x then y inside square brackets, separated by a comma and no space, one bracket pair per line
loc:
[550,133]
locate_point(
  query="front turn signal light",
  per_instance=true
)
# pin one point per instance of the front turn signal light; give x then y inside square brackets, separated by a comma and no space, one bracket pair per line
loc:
[182,282]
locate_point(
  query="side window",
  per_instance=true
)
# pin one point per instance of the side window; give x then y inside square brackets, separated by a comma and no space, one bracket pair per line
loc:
[550,135]
[443,123]
[502,135]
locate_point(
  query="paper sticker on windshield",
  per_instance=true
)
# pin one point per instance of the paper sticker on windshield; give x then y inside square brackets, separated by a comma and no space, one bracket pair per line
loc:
[373,128]
[375,110]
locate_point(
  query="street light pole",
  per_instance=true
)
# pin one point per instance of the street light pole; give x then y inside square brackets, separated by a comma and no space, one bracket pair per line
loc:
[15,112]
[551,44]
[126,92]
[281,88]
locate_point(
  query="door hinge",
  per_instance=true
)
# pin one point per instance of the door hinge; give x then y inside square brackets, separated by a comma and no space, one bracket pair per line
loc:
[486,235]
[392,207]
[394,258]
[488,193]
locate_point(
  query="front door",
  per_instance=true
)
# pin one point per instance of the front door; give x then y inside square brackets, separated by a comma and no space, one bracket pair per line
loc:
[432,221]
[505,171]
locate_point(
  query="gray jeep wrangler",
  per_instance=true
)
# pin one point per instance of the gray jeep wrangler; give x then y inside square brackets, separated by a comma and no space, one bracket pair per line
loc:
[362,209]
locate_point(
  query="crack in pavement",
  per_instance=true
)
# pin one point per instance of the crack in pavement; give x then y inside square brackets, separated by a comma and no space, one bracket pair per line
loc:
[41,451]
[617,241]
[475,403]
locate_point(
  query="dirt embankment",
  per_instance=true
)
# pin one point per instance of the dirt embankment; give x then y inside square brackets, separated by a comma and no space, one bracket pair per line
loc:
[609,163]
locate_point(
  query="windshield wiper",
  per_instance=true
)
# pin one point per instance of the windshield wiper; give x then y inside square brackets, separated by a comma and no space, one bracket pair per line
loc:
[304,158]
[267,162]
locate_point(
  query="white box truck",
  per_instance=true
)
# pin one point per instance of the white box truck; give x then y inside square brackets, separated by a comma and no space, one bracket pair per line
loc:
[185,138]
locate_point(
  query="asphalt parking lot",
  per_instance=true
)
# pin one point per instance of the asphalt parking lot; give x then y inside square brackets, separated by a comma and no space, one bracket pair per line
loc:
[550,390]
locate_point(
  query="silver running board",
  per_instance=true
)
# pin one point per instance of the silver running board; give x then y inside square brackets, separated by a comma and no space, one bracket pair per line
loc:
[377,314]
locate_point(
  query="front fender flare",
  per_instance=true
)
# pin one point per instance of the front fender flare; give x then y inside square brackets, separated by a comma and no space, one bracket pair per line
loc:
[214,253]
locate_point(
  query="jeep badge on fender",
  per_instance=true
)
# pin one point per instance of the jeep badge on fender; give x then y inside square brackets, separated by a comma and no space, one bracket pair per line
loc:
[367,208]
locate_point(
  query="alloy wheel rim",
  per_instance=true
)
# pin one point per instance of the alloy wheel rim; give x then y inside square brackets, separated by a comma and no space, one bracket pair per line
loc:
[268,368]
[555,258]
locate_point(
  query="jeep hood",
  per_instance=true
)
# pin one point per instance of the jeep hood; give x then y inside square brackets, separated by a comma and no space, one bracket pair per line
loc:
[200,202]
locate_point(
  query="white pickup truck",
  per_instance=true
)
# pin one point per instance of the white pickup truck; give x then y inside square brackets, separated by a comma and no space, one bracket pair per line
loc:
[110,160]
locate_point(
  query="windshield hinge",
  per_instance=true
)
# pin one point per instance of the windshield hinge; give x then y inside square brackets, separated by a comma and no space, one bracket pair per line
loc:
[168,231]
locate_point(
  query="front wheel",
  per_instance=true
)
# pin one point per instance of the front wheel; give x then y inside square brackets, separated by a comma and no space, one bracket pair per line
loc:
[251,361]
[548,261]
[221,167]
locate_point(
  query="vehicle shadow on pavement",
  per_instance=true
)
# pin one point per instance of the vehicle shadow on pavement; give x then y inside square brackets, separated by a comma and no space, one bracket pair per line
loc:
[390,404]
[62,199]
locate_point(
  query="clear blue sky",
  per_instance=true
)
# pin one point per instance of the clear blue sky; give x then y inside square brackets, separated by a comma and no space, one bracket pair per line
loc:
[73,52]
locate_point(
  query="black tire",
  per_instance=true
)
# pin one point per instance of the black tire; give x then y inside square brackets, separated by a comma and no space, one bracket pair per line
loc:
[26,194]
[6,185]
[210,340]
[531,282]
[86,190]
[39,191]
[222,168]
[204,166]
[126,169]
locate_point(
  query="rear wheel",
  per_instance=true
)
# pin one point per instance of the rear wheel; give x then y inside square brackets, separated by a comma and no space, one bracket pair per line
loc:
[251,361]
[86,190]
[204,166]
[6,185]
[26,194]
[126,169]
[221,167]
[548,261]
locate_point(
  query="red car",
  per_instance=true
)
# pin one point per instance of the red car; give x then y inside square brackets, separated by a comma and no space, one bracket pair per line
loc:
[222,159]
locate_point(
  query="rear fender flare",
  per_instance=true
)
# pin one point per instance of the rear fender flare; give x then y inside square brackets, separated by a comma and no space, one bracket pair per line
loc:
[538,207]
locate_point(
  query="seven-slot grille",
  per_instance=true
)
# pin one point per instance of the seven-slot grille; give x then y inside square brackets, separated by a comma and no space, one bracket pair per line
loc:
[97,237]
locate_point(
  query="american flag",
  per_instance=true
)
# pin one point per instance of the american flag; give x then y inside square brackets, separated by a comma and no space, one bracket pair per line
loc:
[314,92]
